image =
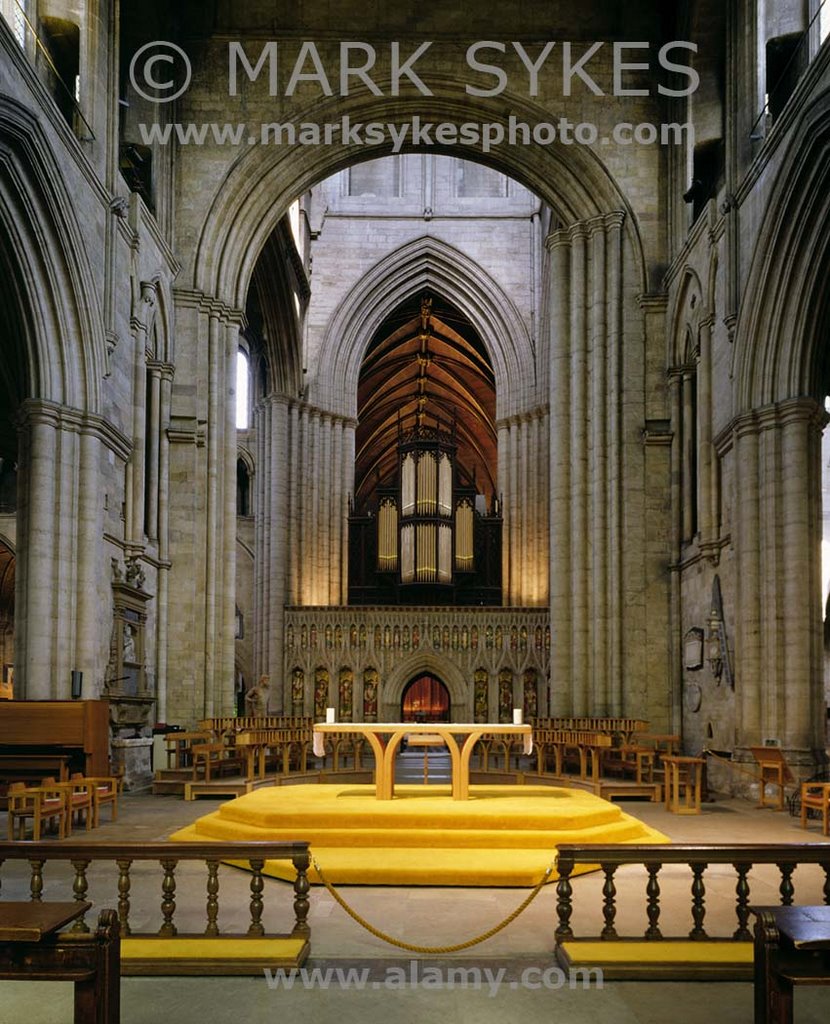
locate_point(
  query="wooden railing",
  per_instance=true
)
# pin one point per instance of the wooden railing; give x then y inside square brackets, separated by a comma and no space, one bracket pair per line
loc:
[220,725]
[742,857]
[168,855]
[623,728]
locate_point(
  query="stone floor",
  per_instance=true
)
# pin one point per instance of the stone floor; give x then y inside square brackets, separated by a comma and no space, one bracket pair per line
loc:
[505,975]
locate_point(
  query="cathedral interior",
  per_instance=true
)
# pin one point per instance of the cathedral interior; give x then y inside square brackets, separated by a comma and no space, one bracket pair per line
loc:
[442,363]
[530,426]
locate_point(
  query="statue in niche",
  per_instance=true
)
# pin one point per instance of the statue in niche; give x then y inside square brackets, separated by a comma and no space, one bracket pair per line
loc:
[256,699]
[530,702]
[297,688]
[128,652]
[480,702]
[321,693]
[370,694]
[505,695]
[346,690]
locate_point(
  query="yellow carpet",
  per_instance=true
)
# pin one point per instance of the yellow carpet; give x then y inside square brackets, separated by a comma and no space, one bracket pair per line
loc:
[501,836]
[583,953]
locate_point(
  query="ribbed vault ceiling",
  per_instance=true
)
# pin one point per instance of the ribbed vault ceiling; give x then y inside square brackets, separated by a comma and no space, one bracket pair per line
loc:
[431,366]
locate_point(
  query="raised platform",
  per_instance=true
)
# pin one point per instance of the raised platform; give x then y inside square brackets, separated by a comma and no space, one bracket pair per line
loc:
[501,836]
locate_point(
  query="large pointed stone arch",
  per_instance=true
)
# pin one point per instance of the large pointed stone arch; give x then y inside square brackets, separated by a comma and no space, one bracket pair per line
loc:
[63,336]
[258,188]
[426,264]
[778,338]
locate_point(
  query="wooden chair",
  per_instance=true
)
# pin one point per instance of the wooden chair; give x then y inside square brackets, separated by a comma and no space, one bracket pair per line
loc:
[80,800]
[105,790]
[41,803]
[815,796]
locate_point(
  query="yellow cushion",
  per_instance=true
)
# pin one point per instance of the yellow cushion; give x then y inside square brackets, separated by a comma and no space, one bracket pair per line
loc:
[664,952]
[204,947]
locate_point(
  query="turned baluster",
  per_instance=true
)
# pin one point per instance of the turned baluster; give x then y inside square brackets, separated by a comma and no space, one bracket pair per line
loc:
[301,887]
[168,902]
[212,897]
[36,880]
[787,889]
[79,888]
[698,900]
[124,894]
[826,889]
[257,885]
[742,902]
[609,909]
[653,902]
[564,899]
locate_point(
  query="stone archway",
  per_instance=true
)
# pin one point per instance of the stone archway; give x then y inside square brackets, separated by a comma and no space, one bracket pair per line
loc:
[425,699]
[54,353]
[781,376]
[425,264]
[594,249]
[258,189]
[426,663]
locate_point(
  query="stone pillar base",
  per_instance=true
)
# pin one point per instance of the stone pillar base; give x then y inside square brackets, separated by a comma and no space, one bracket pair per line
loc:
[131,757]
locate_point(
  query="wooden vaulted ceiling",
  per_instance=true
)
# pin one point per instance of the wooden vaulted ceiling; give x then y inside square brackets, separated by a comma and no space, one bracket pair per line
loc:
[434,367]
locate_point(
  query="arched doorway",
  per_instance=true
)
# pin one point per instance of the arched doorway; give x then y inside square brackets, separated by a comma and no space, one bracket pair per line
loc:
[425,699]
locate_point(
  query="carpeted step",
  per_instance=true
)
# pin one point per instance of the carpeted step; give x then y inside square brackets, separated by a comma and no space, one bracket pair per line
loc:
[503,835]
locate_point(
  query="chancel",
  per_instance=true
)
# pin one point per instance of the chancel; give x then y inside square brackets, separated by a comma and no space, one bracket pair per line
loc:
[448,421]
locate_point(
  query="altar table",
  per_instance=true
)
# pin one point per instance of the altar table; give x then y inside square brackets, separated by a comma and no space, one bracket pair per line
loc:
[385,738]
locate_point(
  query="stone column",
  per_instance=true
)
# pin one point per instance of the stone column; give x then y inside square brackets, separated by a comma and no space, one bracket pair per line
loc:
[153,427]
[348,488]
[598,448]
[277,552]
[163,587]
[587,398]
[778,663]
[295,484]
[504,479]
[706,462]
[336,495]
[88,642]
[213,546]
[558,245]
[262,533]
[225,688]
[34,645]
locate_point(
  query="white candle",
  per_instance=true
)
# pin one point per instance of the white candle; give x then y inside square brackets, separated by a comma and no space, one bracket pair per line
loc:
[517,716]
[329,716]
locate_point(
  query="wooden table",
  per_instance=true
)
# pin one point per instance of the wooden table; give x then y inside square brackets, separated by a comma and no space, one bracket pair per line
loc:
[385,738]
[684,777]
[792,946]
[32,947]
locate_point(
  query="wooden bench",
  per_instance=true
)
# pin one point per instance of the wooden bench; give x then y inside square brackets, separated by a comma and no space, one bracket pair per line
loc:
[33,948]
[179,745]
[41,804]
[213,756]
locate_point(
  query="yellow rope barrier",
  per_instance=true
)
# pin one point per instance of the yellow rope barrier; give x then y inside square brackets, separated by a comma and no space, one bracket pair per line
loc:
[431,949]
[732,765]
[747,771]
